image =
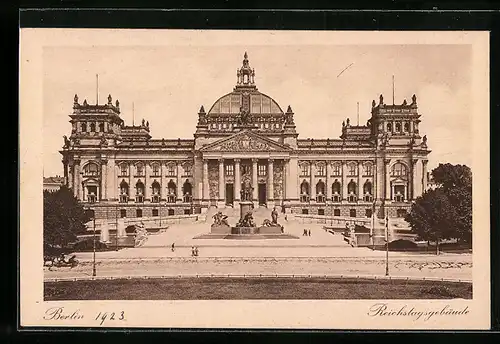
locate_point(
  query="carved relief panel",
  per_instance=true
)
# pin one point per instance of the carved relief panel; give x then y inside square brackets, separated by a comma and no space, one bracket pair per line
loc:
[278,181]
[213,180]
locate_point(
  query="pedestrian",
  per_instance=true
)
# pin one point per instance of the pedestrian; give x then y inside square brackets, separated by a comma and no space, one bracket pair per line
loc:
[192,251]
[309,232]
[173,246]
[196,251]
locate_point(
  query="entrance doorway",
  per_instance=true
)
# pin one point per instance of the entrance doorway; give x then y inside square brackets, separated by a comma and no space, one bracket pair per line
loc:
[262,194]
[229,194]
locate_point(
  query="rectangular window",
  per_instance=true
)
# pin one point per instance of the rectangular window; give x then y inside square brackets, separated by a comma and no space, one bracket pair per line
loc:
[321,170]
[351,172]
[229,170]
[368,170]
[171,170]
[368,213]
[156,171]
[138,212]
[352,212]
[188,171]
[305,211]
[187,211]
[123,170]
[155,212]
[304,170]
[337,171]
[261,170]
[321,211]
[336,212]
[140,170]
[123,213]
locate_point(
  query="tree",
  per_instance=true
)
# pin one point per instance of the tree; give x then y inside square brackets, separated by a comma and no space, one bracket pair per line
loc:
[450,176]
[63,217]
[432,217]
[445,212]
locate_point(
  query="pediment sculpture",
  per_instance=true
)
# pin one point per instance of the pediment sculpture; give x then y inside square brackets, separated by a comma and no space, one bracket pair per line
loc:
[243,144]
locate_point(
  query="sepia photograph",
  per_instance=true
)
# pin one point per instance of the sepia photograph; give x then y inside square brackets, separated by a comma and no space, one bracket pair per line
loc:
[235,166]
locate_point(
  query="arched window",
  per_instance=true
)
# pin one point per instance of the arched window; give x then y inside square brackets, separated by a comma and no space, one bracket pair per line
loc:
[92,127]
[84,127]
[139,192]
[336,191]
[171,191]
[320,192]
[398,127]
[398,170]
[124,192]
[156,188]
[406,127]
[389,127]
[304,191]
[91,170]
[351,191]
[101,127]
[139,169]
[367,191]
[187,190]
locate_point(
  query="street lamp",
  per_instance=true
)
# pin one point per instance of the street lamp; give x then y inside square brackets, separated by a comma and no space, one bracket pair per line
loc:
[93,263]
[386,245]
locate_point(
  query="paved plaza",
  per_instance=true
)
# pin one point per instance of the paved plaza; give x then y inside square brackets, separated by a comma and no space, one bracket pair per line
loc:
[320,254]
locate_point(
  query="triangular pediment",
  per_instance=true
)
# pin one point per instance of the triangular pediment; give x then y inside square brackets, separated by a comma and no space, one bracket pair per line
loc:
[245,141]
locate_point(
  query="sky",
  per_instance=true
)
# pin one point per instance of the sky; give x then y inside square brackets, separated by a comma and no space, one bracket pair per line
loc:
[168,83]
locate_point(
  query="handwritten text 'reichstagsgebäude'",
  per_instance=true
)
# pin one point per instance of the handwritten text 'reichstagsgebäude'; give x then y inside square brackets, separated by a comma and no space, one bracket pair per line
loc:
[384,310]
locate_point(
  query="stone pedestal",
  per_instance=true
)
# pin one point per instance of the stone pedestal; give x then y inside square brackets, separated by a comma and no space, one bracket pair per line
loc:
[104,237]
[121,229]
[245,207]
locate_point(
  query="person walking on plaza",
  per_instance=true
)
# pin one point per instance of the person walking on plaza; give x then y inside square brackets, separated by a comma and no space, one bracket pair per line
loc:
[309,233]
[192,251]
[196,251]
[173,246]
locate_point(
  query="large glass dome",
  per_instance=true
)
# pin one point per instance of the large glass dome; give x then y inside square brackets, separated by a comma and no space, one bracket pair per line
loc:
[232,102]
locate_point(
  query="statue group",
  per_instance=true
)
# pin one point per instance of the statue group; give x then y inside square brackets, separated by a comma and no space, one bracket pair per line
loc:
[246,221]
[246,192]
[220,219]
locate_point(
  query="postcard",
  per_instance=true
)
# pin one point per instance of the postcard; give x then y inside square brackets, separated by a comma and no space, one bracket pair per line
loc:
[254,179]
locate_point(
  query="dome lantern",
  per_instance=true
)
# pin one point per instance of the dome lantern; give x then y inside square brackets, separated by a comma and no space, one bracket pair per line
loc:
[245,75]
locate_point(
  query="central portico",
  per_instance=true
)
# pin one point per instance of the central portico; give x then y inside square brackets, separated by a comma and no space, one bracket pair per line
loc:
[246,161]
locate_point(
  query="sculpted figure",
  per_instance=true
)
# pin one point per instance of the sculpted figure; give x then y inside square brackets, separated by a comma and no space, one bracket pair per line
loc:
[274,216]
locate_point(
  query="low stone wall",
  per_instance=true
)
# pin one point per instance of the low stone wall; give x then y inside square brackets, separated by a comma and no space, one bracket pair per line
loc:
[149,222]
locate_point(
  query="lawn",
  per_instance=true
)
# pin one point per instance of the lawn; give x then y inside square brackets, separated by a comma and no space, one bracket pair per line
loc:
[253,288]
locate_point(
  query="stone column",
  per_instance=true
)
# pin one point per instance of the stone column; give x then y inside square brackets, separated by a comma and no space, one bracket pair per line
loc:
[387,179]
[284,195]
[360,180]
[71,182]
[344,180]
[379,178]
[424,175]
[103,194]
[270,181]
[131,187]
[147,186]
[292,180]
[222,183]
[255,181]
[206,186]
[312,181]
[328,181]
[414,186]
[77,180]
[237,180]
[179,182]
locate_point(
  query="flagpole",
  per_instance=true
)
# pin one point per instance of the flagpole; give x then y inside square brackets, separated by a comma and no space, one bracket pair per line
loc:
[358,114]
[393,89]
[133,114]
[97,89]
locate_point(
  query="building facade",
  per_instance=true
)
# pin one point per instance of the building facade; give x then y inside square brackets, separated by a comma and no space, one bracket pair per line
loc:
[52,184]
[246,147]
